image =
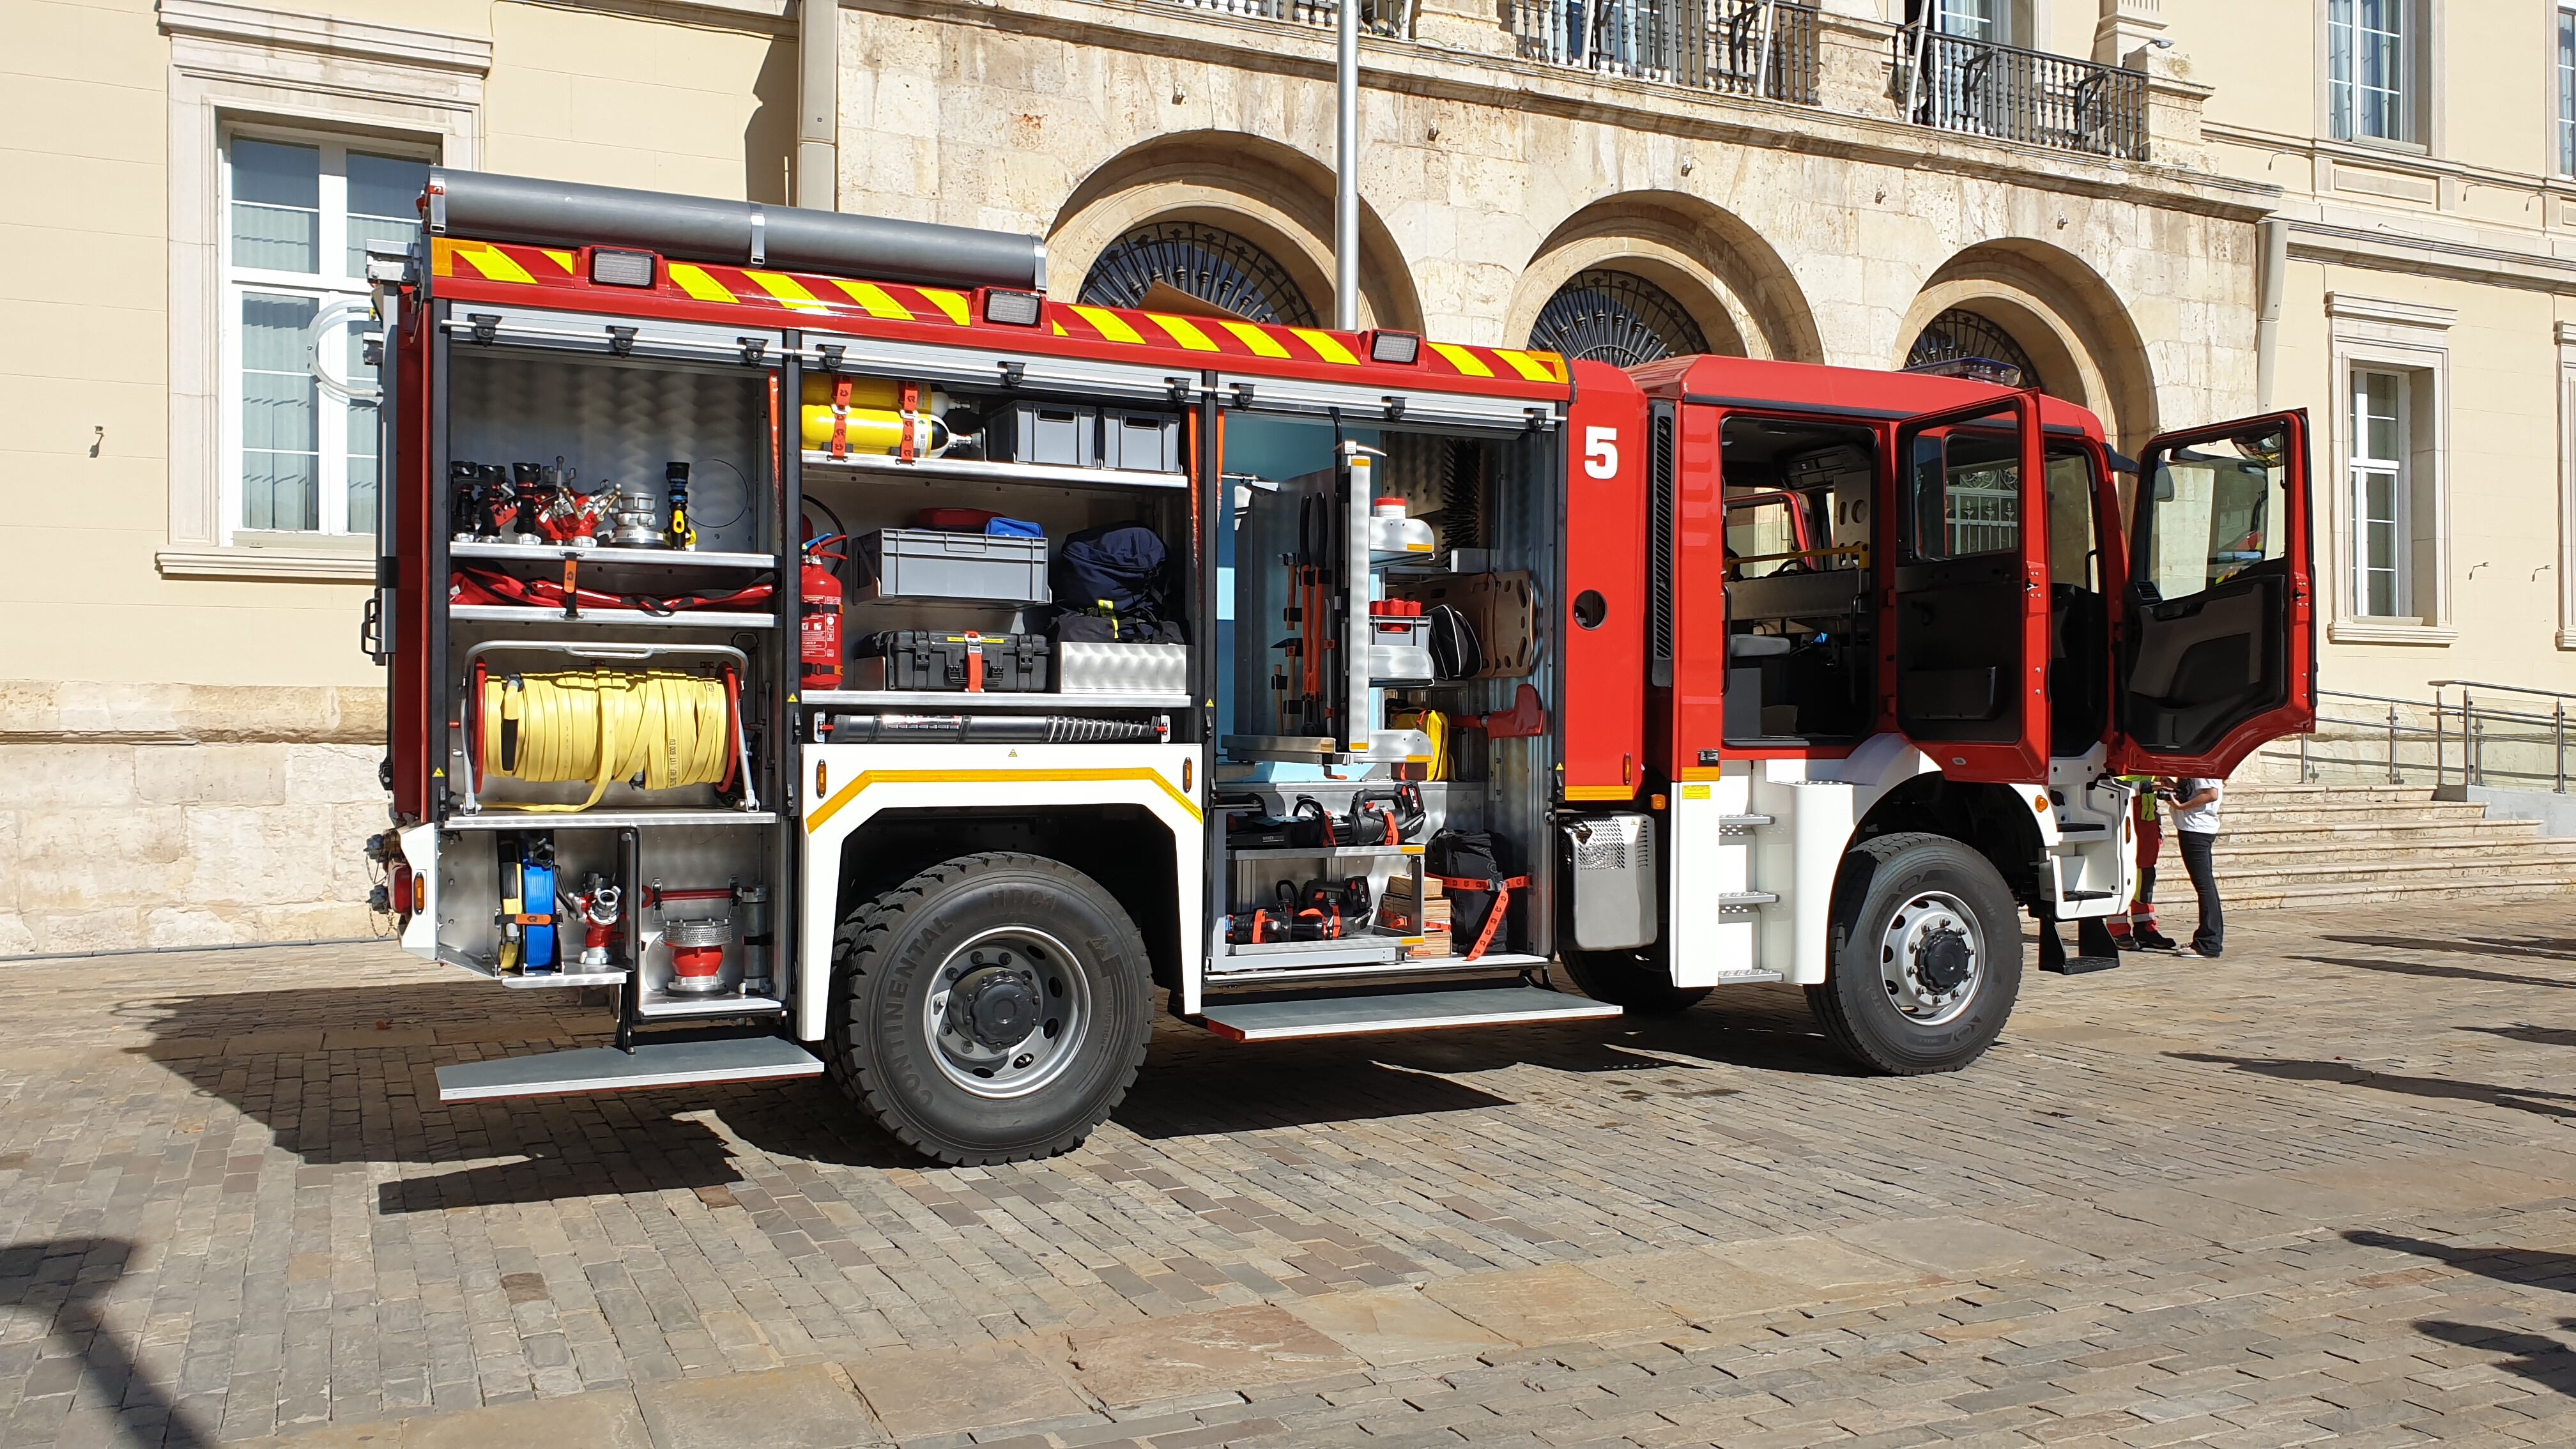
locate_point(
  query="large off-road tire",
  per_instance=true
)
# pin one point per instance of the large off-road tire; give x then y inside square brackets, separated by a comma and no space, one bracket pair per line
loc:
[1930,961]
[1638,981]
[993,1008]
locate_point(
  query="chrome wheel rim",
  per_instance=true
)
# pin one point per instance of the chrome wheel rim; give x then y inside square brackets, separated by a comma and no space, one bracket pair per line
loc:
[982,996]
[1932,958]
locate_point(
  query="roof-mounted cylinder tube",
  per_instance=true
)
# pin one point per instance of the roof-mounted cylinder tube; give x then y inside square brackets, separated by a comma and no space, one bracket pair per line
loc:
[490,207]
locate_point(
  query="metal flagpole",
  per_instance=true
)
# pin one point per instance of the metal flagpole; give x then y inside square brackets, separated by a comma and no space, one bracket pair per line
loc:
[1346,166]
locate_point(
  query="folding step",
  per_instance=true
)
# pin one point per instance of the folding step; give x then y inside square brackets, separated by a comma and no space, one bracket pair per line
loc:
[1314,1016]
[606,1069]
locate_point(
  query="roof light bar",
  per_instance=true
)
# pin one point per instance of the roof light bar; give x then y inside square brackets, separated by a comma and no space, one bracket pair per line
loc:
[1013,309]
[622,269]
[1400,348]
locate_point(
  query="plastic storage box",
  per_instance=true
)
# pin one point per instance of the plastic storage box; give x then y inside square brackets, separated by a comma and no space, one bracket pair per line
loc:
[1041,432]
[929,563]
[926,659]
[1141,442]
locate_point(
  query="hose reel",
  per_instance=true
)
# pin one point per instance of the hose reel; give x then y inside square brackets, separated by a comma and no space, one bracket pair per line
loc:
[662,729]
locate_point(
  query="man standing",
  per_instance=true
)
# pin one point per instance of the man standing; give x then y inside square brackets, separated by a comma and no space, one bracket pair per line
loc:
[2196,823]
[2142,934]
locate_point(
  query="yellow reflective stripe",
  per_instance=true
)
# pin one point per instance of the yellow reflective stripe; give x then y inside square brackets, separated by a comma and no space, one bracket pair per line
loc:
[1527,366]
[696,282]
[949,302]
[1600,792]
[788,290]
[814,819]
[1467,363]
[564,260]
[1059,328]
[494,263]
[1109,324]
[873,297]
[1183,331]
[1326,345]
[1261,343]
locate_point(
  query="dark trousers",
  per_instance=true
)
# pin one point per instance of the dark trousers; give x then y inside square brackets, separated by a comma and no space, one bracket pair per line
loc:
[2196,848]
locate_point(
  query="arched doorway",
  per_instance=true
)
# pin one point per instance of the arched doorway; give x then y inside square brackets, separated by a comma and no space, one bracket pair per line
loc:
[1617,317]
[1963,336]
[1206,262]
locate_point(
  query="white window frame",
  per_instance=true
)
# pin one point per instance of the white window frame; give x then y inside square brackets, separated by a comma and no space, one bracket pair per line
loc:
[2373,334]
[2562,74]
[332,415]
[238,67]
[2359,468]
[2339,102]
[2566,337]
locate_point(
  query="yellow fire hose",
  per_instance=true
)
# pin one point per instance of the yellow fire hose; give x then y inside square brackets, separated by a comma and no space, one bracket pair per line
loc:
[672,729]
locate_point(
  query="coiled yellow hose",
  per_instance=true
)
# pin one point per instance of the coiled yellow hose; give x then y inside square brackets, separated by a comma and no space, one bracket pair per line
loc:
[605,725]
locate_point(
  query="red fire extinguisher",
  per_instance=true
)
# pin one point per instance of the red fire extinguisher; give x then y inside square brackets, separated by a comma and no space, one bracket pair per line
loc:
[821,653]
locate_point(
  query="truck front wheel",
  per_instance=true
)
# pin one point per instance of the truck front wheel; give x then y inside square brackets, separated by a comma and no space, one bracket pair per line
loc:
[994,1008]
[1930,956]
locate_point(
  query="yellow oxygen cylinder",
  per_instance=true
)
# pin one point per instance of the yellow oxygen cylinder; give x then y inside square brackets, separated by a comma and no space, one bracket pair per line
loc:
[874,421]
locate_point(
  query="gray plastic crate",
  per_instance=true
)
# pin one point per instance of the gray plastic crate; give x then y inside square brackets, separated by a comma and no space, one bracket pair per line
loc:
[1043,432]
[929,563]
[1144,442]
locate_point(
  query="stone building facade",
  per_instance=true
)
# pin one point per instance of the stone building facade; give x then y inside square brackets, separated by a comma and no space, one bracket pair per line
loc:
[2171,211]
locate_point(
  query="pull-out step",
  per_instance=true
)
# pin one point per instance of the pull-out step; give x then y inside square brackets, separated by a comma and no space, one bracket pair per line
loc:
[1312,1016]
[606,1069]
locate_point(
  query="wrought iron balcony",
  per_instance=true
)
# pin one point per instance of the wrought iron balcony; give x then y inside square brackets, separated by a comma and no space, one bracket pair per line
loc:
[1982,89]
[1377,17]
[1739,47]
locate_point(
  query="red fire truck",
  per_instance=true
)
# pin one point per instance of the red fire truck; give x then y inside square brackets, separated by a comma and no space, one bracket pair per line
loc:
[805,632]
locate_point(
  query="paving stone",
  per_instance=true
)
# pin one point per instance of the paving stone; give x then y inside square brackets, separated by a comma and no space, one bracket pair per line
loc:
[1197,1353]
[1533,1306]
[605,1420]
[796,1408]
[1393,1325]
[922,1392]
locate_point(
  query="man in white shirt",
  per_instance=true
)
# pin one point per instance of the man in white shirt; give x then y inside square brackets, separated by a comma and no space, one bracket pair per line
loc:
[2195,820]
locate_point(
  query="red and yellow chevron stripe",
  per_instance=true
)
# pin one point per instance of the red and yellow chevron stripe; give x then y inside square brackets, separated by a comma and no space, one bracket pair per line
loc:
[801,299]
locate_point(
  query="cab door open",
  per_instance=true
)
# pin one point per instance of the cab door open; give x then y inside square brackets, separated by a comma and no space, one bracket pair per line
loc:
[1971,590]
[2218,650]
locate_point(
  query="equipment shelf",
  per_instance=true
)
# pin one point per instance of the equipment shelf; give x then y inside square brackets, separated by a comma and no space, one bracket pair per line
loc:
[519,981]
[883,468]
[685,619]
[502,817]
[942,701]
[1292,852]
[671,1004]
[654,557]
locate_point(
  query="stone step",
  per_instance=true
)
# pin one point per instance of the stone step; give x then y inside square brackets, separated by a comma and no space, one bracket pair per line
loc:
[2434,876]
[2465,835]
[2369,855]
[2361,893]
[2232,811]
[2294,794]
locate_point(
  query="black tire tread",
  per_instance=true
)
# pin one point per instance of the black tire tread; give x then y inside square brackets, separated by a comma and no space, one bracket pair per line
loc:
[863,935]
[1825,1001]
[1628,984]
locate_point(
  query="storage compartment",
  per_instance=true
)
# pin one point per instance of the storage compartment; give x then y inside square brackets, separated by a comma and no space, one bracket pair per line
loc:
[1123,668]
[1503,610]
[1140,442]
[969,662]
[1044,432]
[921,563]
[1612,865]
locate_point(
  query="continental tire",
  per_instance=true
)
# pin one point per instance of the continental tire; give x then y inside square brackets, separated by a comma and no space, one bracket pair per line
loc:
[993,1008]
[1637,981]
[1930,961]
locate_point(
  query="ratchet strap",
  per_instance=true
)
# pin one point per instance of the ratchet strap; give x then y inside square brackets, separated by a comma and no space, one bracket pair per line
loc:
[1502,892]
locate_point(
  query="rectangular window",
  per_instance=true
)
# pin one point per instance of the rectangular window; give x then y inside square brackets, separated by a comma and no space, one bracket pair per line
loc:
[300,212]
[2567,91]
[2382,482]
[1966,493]
[2370,59]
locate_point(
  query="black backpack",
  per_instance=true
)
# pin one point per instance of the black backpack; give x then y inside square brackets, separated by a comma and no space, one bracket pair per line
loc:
[1116,568]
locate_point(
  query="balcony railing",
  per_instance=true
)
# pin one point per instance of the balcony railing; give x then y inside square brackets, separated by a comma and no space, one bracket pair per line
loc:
[2011,94]
[1377,17]
[1739,47]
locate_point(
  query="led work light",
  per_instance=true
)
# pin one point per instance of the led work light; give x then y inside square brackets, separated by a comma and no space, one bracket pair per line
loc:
[1400,348]
[621,269]
[1013,309]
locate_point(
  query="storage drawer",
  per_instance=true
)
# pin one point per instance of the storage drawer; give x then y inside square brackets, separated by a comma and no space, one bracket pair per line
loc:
[1144,442]
[1043,432]
[1122,668]
[924,563]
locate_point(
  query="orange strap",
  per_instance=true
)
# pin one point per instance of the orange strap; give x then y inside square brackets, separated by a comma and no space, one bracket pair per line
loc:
[974,664]
[911,415]
[1502,892]
[840,417]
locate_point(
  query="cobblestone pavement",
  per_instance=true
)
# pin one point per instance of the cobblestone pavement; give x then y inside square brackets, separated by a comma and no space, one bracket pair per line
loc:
[2321,1191]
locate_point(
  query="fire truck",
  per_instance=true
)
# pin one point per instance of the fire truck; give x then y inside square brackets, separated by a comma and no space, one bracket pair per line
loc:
[810,636]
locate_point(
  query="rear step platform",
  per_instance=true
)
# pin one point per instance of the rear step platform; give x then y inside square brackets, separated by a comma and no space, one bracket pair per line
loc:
[1314,1016]
[606,1069]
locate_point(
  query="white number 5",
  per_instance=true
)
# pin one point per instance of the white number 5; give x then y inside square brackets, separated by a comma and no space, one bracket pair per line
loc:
[1601,452]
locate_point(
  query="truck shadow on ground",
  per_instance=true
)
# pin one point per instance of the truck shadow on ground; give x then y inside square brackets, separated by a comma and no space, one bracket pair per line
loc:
[2547,948]
[2440,972]
[62,1284]
[2520,1099]
[339,1099]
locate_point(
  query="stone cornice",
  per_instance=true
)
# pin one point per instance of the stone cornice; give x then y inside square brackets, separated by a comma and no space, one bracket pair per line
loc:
[259,28]
[2387,251]
[1511,83]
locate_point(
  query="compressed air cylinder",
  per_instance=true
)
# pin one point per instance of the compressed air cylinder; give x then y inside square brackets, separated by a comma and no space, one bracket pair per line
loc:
[873,421]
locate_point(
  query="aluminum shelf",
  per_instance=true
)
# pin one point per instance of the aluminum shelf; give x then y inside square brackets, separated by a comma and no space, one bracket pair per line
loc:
[664,1004]
[606,1069]
[501,817]
[654,557]
[884,468]
[1292,852]
[518,981]
[947,701]
[622,618]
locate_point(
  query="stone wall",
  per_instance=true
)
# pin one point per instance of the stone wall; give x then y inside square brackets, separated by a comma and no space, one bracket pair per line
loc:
[170,815]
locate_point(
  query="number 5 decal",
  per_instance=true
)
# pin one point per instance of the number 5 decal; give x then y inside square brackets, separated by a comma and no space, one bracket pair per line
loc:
[1601,452]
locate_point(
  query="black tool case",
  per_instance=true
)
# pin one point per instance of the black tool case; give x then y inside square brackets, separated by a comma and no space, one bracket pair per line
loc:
[933,659]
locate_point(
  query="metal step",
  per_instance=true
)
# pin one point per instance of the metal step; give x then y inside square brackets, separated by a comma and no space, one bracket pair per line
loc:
[1314,1016]
[606,1069]
[1746,900]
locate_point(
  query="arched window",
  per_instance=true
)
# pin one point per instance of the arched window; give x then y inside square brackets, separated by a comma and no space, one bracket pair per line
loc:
[1615,317]
[1959,335]
[1209,264]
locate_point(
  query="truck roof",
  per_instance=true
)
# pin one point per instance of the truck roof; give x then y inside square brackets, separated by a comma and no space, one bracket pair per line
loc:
[1814,387]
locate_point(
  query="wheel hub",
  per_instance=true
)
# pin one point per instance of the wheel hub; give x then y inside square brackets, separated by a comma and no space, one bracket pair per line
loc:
[1932,958]
[1943,960]
[993,1006]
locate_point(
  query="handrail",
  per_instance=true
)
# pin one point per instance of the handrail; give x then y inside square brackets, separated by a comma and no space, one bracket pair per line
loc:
[1960,83]
[2516,733]
[2507,688]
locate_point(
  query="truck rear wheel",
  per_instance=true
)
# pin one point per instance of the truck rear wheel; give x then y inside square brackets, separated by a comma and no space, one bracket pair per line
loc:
[1639,981]
[993,1008]
[1930,961]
